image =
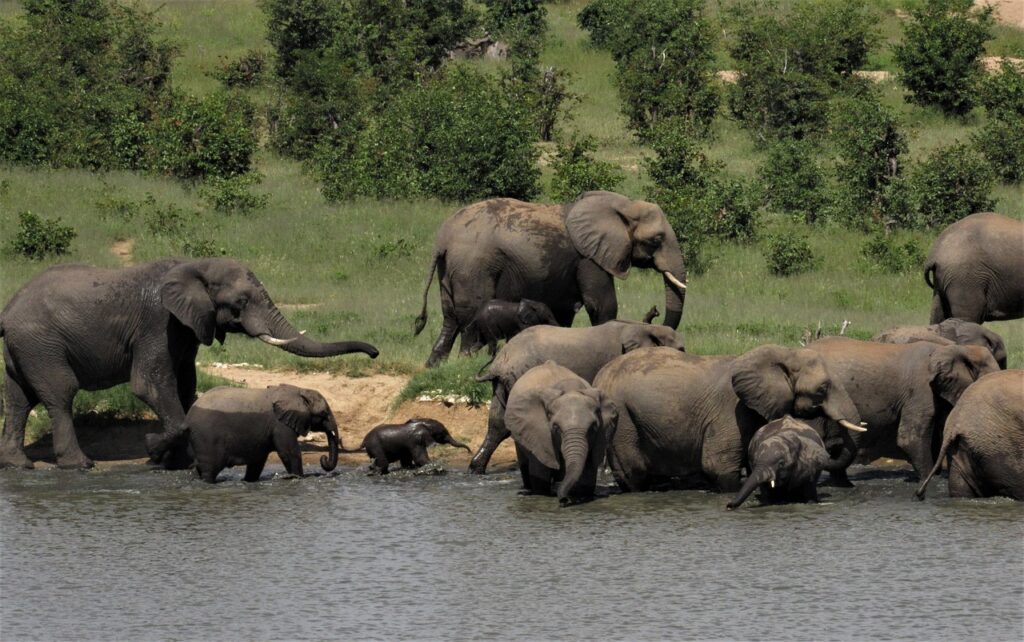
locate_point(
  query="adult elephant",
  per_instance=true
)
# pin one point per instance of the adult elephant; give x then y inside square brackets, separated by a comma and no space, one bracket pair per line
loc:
[903,391]
[976,269]
[76,327]
[686,420]
[563,256]
[584,351]
[950,331]
[983,443]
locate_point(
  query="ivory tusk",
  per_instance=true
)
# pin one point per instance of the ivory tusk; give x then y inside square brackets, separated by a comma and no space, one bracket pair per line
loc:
[850,426]
[674,281]
[772,482]
[274,341]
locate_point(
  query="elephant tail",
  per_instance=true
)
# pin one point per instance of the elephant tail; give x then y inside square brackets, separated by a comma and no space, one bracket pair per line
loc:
[361,449]
[421,320]
[929,273]
[919,493]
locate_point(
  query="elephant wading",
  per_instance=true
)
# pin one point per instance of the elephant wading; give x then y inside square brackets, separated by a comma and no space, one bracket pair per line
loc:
[561,426]
[904,392]
[685,421]
[562,256]
[950,331]
[76,327]
[241,427]
[582,351]
[406,443]
[983,444]
[976,269]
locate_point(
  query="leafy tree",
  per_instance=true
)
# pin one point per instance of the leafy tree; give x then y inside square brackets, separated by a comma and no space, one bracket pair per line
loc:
[950,184]
[791,180]
[576,171]
[1001,139]
[520,23]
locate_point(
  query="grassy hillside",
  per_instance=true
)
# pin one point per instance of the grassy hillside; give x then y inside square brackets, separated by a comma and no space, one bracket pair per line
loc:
[356,270]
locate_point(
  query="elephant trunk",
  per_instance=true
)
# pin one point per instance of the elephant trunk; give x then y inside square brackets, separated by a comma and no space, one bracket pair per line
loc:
[670,264]
[758,476]
[330,461]
[458,444]
[839,407]
[270,326]
[846,456]
[574,454]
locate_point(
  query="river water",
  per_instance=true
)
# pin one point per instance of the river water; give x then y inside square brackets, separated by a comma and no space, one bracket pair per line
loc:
[137,554]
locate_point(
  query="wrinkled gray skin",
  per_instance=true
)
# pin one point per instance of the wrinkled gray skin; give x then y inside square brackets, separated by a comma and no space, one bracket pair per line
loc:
[562,256]
[497,320]
[902,391]
[584,351]
[406,443]
[76,327]
[984,439]
[685,421]
[950,331]
[561,426]
[976,270]
[786,457]
[241,427]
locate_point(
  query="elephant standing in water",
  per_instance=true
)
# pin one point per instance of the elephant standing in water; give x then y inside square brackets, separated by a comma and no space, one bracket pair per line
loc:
[976,269]
[983,443]
[686,421]
[406,443]
[76,327]
[562,256]
[950,331]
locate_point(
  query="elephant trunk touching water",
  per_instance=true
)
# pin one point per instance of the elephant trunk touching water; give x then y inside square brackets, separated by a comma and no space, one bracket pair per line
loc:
[330,461]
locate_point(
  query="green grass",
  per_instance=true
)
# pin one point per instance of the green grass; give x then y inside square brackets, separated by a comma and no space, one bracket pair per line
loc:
[307,251]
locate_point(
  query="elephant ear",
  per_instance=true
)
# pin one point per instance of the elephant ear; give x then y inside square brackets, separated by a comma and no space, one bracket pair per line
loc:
[761,379]
[950,373]
[183,293]
[599,230]
[528,313]
[526,417]
[291,408]
[636,336]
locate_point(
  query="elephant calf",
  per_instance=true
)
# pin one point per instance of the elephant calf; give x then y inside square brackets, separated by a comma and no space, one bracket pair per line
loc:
[497,320]
[786,458]
[950,331]
[240,426]
[561,426]
[984,439]
[406,442]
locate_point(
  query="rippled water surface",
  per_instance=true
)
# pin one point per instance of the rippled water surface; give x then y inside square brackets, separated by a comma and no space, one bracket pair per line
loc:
[139,554]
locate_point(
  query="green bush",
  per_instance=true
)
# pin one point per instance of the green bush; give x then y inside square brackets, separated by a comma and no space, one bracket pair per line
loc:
[209,136]
[602,19]
[791,182]
[1001,138]
[939,54]
[950,184]
[576,171]
[233,195]
[883,252]
[520,23]
[297,28]
[39,238]
[1002,93]
[246,71]
[788,253]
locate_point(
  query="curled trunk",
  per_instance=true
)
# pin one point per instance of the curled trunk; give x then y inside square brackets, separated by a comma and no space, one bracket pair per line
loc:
[330,461]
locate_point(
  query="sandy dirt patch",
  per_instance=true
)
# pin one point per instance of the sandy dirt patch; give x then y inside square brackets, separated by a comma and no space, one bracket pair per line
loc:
[123,251]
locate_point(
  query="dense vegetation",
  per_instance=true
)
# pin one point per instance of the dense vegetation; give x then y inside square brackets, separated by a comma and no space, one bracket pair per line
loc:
[269,130]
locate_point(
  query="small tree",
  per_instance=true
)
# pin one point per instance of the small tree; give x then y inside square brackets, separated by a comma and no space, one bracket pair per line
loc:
[791,181]
[789,253]
[939,55]
[951,184]
[1001,139]
[38,238]
[576,171]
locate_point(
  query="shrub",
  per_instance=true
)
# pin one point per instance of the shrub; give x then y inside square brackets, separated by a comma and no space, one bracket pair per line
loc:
[1001,138]
[576,171]
[195,246]
[602,19]
[788,253]
[210,136]
[791,181]
[246,71]
[939,55]
[885,253]
[520,23]
[297,27]
[950,184]
[167,220]
[1002,93]
[38,238]
[232,194]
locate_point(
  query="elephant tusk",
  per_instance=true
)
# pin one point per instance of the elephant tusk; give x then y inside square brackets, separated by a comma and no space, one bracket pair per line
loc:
[851,426]
[772,483]
[274,341]
[674,281]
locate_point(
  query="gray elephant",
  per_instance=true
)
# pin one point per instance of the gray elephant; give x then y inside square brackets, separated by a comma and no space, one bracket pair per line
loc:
[497,320]
[562,256]
[950,331]
[976,269]
[76,327]
[583,351]
[685,421]
[902,391]
[983,443]
[561,426]
[406,443]
[786,457]
[241,427]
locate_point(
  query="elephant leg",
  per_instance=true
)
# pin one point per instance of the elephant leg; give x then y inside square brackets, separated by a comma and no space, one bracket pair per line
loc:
[629,467]
[186,376]
[469,340]
[598,290]
[380,461]
[496,433]
[209,473]
[254,470]
[839,479]
[939,313]
[445,341]
[420,457]
[967,301]
[157,385]
[19,401]
[914,437]
[287,446]
[58,398]
[960,484]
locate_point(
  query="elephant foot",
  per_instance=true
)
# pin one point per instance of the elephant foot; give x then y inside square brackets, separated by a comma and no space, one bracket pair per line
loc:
[15,459]
[77,462]
[838,480]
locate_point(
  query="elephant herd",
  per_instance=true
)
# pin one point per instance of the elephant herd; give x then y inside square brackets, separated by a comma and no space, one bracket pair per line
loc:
[622,394]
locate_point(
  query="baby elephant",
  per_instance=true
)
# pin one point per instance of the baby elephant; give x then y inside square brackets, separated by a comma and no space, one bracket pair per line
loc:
[958,331]
[497,319]
[406,442]
[786,457]
[241,426]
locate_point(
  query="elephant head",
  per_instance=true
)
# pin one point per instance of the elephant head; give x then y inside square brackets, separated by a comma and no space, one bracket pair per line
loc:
[431,431]
[303,410]
[530,313]
[566,426]
[953,368]
[967,333]
[644,335]
[617,233]
[215,296]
